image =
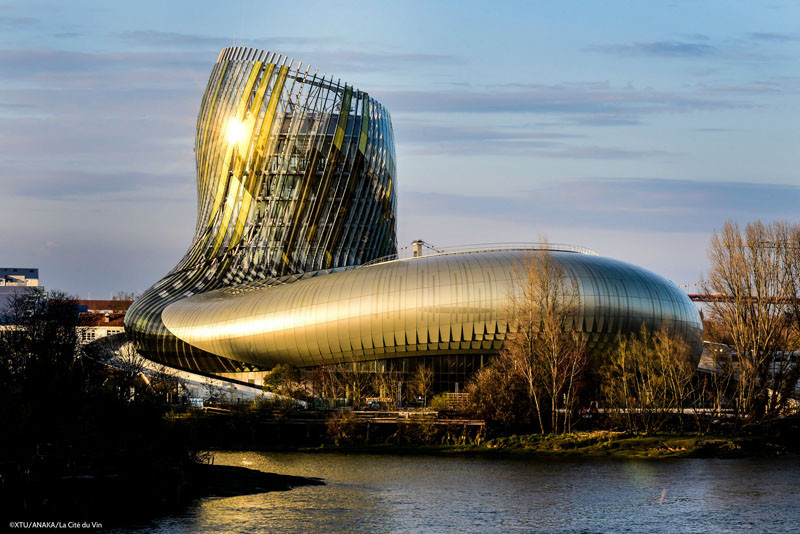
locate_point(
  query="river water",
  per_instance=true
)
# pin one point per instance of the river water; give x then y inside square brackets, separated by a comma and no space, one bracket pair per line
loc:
[377,493]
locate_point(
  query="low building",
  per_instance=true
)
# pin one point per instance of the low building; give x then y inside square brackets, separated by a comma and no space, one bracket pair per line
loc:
[14,280]
[104,306]
[94,326]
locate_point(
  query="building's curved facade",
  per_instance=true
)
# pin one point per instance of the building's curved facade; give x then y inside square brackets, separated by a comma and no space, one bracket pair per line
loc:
[445,304]
[295,173]
[299,195]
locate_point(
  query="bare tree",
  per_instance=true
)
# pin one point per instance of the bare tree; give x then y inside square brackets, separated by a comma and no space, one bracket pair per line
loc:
[129,367]
[678,368]
[714,383]
[421,383]
[352,381]
[499,395]
[125,295]
[755,274]
[648,379]
[544,345]
[384,384]
[165,384]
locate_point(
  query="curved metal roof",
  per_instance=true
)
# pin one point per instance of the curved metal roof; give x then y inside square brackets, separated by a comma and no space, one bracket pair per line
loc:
[443,303]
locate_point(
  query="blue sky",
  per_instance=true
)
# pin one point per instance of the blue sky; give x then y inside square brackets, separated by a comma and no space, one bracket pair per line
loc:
[632,128]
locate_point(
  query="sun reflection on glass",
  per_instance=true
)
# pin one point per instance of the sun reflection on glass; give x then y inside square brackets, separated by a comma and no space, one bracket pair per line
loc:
[234,132]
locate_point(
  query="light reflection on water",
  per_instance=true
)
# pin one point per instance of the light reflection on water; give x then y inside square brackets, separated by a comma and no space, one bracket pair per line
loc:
[367,493]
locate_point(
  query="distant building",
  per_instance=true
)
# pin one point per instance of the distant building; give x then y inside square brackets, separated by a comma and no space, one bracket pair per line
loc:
[18,277]
[104,306]
[14,280]
[95,325]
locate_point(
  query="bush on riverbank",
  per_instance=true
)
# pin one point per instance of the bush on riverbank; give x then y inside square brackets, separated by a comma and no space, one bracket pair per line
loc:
[74,442]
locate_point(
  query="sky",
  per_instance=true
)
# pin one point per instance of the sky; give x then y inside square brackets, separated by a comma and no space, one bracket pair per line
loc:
[631,128]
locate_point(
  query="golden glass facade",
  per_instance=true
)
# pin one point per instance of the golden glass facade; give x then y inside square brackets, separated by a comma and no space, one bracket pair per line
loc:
[296,205]
[295,173]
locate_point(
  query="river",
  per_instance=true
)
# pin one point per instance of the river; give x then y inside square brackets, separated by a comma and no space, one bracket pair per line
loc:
[381,493]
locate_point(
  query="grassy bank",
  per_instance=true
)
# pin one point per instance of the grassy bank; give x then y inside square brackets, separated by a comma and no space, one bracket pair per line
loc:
[590,444]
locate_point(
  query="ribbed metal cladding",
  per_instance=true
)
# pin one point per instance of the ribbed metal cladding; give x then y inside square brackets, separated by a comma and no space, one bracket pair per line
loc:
[307,183]
[432,305]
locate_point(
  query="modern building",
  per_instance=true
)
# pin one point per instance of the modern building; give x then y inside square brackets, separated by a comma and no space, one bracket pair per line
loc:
[14,280]
[294,261]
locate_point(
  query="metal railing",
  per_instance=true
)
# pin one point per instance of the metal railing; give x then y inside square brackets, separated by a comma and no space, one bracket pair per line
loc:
[487,247]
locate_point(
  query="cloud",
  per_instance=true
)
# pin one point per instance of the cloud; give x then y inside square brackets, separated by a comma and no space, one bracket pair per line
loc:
[173,39]
[89,186]
[774,37]
[656,205]
[427,138]
[60,68]
[696,36]
[659,49]
[690,49]
[161,39]
[316,51]
[428,132]
[744,89]
[581,103]
[17,22]
[600,152]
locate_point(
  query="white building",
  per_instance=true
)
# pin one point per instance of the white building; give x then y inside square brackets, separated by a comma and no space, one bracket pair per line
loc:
[14,280]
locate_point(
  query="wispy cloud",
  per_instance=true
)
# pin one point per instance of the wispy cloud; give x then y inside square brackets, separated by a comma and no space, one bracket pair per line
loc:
[68,35]
[60,68]
[659,49]
[326,53]
[160,39]
[428,138]
[695,36]
[655,205]
[699,47]
[427,132]
[85,185]
[582,103]
[17,22]
[775,37]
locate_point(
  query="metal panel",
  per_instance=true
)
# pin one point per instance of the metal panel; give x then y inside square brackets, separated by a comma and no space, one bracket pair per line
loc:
[381,322]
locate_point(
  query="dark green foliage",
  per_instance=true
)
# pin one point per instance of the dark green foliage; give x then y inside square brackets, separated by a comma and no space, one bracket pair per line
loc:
[69,443]
[284,379]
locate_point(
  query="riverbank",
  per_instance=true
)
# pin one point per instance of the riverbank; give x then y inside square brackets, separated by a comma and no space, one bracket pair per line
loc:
[232,481]
[589,444]
[134,494]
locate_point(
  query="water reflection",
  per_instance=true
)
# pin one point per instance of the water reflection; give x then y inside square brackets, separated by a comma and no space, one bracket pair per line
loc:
[430,494]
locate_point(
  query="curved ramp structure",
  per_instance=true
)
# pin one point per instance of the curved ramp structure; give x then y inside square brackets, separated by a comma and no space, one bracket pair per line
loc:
[296,187]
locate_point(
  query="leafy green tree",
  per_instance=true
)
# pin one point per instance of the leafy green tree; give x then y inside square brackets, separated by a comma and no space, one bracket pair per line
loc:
[285,380]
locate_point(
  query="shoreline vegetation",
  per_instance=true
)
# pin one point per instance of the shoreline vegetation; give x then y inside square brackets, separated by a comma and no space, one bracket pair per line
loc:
[339,433]
[578,445]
